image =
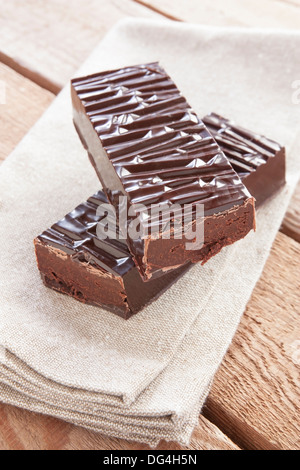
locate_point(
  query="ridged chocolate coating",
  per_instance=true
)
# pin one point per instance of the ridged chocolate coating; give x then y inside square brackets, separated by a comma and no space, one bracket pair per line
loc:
[259,161]
[76,235]
[159,148]
[245,150]
[74,261]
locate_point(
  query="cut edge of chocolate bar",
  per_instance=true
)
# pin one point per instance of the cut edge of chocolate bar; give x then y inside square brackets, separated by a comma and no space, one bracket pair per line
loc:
[53,264]
[234,220]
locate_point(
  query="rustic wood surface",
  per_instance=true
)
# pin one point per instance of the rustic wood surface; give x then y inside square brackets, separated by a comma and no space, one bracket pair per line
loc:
[48,40]
[23,430]
[255,13]
[253,402]
[24,103]
[255,395]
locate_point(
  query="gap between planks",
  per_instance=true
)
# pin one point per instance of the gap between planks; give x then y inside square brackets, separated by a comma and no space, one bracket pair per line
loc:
[47,41]
[149,5]
[34,76]
[249,13]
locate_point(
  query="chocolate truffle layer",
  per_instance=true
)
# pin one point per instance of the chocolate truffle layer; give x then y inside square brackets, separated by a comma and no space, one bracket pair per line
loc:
[74,261]
[146,142]
[259,161]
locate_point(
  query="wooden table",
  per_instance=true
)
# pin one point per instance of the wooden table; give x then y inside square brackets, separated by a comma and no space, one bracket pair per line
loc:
[253,401]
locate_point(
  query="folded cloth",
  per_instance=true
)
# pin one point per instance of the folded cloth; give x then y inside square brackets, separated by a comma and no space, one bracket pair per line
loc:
[144,379]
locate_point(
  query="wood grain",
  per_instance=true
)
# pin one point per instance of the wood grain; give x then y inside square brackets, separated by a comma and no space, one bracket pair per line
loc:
[24,103]
[47,40]
[22,430]
[255,13]
[37,40]
[295,3]
[255,395]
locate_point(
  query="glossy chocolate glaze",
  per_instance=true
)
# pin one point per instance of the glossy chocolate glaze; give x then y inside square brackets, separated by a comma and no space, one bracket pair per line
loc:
[159,148]
[146,142]
[73,260]
[259,161]
[76,235]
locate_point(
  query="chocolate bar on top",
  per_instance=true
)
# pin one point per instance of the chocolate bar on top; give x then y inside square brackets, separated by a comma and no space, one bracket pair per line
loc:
[145,142]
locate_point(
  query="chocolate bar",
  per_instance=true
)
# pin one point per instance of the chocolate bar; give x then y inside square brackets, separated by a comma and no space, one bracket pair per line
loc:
[145,142]
[259,161]
[73,260]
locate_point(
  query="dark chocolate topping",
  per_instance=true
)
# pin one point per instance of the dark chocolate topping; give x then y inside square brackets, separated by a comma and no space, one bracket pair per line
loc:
[245,150]
[159,148]
[76,235]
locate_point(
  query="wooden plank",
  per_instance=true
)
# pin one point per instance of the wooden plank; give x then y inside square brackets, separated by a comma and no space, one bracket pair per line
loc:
[255,395]
[256,13]
[48,40]
[23,102]
[22,430]
[291,223]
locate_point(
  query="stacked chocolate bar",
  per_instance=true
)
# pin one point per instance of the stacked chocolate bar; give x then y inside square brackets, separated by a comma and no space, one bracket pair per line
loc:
[157,161]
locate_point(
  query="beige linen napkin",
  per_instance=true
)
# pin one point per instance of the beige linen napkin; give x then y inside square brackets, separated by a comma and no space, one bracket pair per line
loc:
[146,378]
